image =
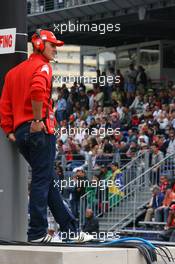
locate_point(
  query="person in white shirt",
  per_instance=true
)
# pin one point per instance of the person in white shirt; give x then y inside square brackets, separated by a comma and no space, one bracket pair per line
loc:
[163,121]
[157,112]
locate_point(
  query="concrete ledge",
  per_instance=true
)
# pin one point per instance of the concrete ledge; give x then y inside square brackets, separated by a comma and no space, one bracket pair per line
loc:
[70,255]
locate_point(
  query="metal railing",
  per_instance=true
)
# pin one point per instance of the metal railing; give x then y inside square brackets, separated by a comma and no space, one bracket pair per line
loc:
[40,6]
[92,163]
[100,200]
[137,193]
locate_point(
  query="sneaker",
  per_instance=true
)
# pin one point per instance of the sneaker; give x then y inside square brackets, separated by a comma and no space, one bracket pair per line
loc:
[47,239]
[82,237]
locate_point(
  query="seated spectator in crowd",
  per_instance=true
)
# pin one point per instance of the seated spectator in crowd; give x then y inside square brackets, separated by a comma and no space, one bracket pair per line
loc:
[125,120]
[163,184]
[119,109]
[163,122]
[115,122]
[98,97]
[133,150]
[162,144]
[161,213]
[91,225]
[157,112]
[132,135]
[169,233]
[155,202]
[172,118]
[138,105]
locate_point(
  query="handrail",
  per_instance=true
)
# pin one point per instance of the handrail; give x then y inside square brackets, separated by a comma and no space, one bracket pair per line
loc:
[136,187]
[132,163]
[151,168]
[134,159]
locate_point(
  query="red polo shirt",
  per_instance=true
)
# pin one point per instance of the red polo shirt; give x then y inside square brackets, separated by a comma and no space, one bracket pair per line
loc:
[29,80]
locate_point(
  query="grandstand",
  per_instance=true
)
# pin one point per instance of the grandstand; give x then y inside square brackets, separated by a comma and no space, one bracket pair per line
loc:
[144,113]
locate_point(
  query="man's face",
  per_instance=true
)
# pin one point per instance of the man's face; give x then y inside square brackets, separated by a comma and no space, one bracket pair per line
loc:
[103,169]
[59,172]
[171,134]
[114,168]
[82,93]
[50,50]
[89,213]
[80,173]
[154,149]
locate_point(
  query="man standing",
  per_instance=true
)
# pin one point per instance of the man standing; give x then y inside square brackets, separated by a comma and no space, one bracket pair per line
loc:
[61,108]
[27,119]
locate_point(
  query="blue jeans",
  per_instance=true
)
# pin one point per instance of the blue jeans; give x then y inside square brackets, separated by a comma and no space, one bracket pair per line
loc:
[75,207]
[39,150]
[161,214]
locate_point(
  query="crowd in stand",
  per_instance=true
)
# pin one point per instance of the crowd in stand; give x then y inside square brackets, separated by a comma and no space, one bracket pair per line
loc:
[118,121]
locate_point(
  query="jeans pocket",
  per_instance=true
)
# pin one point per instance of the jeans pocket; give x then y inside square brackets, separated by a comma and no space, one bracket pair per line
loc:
[37,139]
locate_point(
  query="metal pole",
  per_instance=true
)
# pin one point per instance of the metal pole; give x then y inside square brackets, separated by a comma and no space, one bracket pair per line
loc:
[13,180]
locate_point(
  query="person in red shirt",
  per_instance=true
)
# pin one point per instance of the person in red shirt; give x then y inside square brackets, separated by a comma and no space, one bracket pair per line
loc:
[169,230]
[27,118]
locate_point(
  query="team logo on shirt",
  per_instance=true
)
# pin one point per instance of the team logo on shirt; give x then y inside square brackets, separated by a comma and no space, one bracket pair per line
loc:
[45,68]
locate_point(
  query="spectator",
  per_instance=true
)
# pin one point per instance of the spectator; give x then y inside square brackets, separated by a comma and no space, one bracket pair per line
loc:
[79,181]
[138,105]
[161,213]
[171,142]
[121,84]
[141,78]
[111,78]
[163,184]
[83,99]
[116,187]
[98,97]
[172,118]
[91,223]
[105,173]
[65,91]
[41,5]
[155,202]
[59,172]
[29,5]
[163,122]
[157,156]
[169,233]
[61,108]
[125,120]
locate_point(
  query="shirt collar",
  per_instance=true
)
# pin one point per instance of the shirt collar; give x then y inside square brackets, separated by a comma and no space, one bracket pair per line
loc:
[39,56]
